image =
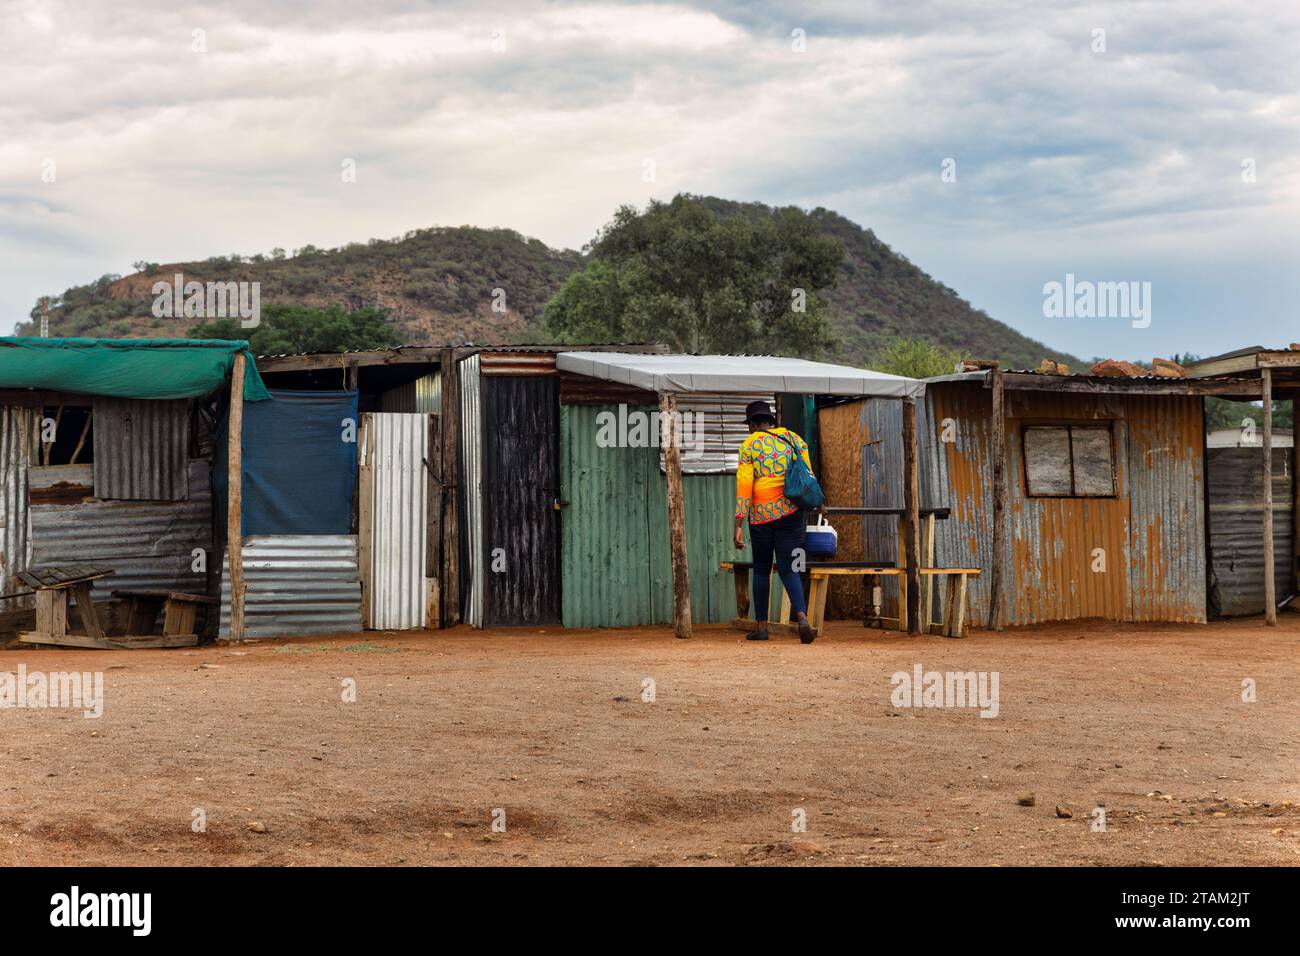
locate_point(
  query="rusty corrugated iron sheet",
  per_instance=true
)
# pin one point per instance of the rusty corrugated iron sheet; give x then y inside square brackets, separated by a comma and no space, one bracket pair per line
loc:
[149,544]
[1236,495]
[472,554]
[141,448]
[18,438]
[1151,536]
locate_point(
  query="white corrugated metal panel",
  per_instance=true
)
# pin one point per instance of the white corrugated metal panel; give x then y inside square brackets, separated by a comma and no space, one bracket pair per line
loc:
[18,435]
[422,395]
[471,448]
[737,373]
[149,544]
[141,448]
[712,434]
[297,584]
[397,447]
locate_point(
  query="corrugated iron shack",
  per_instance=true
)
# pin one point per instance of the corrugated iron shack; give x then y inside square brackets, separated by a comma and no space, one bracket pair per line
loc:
[106,454]
[1103,513]
[1254,539]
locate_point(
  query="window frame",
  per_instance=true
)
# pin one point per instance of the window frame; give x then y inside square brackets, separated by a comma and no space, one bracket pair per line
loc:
[1108,424]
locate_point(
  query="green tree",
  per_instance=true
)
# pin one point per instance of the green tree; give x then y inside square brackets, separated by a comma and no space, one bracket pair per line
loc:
[681,273]
[299,328]
[916,358]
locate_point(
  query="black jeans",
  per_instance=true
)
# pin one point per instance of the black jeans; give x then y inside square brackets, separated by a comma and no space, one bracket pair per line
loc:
[780,539]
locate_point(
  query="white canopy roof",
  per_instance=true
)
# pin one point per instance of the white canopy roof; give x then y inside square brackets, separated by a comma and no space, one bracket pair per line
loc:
[737,373]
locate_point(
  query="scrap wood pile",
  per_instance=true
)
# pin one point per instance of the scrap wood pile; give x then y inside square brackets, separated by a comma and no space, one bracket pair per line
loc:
[1106,368]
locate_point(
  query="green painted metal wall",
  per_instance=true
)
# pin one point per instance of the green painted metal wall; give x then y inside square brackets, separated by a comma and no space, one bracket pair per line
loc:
[614,532]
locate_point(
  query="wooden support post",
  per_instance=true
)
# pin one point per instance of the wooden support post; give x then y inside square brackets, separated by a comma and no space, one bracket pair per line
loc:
[998,448]
[911,520]
[1295,509]
[449,416]
[1270,594]
[235,499]
[676,514]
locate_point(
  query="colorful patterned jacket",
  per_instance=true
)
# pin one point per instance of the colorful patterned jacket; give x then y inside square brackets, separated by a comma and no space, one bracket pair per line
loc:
[760,478]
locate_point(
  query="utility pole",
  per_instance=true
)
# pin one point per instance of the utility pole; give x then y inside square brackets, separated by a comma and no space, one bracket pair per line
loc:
[45,316]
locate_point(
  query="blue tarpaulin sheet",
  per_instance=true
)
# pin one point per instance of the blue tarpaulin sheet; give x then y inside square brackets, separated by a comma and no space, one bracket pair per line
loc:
[299,471]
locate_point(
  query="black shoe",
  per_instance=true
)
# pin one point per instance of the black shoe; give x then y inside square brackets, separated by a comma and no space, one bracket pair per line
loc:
[756,636]
[806,633]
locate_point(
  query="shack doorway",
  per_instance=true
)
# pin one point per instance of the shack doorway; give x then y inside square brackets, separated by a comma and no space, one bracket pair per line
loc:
[398,591]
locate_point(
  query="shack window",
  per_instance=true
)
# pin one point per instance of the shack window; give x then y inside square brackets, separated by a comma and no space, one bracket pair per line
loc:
[1069,461]
[66,435]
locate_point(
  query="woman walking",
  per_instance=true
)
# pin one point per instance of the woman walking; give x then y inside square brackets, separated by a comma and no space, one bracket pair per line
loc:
[776,524]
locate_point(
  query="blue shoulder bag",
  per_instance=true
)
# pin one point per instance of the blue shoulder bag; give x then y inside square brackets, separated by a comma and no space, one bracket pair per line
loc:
[800,485]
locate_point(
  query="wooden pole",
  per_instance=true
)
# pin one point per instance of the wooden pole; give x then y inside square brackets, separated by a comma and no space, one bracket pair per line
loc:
[235,499]
[1295,507]
[912,518]
[450,421]
[676,514]
[1270,594]
[998,448]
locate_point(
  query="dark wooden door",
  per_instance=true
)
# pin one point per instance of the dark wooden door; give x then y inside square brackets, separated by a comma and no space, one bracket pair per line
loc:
[521,542]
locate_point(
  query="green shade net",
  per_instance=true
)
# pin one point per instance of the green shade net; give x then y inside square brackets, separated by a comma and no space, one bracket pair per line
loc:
[126,368]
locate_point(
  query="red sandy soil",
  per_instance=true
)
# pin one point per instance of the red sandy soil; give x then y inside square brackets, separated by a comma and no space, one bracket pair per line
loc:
[550,727]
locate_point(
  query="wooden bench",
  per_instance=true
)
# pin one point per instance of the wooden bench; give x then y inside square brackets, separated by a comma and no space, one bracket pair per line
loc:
[820,574]
[53,587]
[179,608]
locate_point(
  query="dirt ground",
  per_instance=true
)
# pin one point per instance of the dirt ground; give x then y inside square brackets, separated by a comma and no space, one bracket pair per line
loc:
[551,728]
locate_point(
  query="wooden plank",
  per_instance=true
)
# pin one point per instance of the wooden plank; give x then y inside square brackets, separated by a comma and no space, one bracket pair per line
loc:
[998,430]
[235,500]
[676,516]
[63,640]
[773,627]
[927,605]
[145,641]
[366,511]
[86,610]
[911,521]
[1270,589]
[52,612]
[450,419]
[956,623]
[740,579]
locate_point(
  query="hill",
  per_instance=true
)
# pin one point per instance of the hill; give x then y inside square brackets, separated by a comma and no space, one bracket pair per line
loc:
[438,285]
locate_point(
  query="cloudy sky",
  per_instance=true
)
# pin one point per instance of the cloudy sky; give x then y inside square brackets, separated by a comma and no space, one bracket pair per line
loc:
[1136,141]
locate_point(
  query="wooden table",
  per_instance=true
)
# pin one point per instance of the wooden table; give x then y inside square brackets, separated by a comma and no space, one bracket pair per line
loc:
[53,587]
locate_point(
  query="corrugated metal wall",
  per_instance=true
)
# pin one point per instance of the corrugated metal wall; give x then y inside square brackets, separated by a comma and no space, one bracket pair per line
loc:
[297,584]
[861,455]
[149,544]
[141,448]
[1236,477]
[471,466]
[717,429]
[615,563]
[1152,534]
[18,442]
[395,448]
[422,395]
[520,486]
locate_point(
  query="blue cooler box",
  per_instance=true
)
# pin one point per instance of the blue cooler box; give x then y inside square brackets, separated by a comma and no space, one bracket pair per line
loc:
[821,540]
